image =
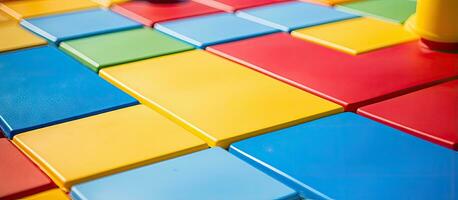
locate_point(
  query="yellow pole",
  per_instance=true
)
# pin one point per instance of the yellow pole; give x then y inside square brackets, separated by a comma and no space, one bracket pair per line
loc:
[436,21]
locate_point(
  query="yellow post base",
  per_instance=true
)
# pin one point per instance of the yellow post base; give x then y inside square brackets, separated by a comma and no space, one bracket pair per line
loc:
[436,21]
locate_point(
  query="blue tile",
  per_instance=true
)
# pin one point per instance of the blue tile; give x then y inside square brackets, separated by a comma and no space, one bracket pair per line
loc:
[213,29]
[347,156]
[293,15]
[57,28]
[43,86]
[209,174]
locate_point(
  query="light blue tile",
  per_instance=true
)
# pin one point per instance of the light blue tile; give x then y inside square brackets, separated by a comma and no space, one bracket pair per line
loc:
[57,28]
[347,156]
[212,29]
[293,15]
[206,175]
[42,86]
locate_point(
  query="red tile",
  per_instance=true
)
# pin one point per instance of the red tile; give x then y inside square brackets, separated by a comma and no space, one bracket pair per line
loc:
[150,13]
[431,113]
[233,5]
[19,177]
[351,81]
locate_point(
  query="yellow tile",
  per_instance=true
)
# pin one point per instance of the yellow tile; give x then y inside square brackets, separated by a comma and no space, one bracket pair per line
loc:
[108,3]
[332,2]
[54,194]
[4,17]
[107,143]
[29,8]
[221,101]
[357,35]
[13,37]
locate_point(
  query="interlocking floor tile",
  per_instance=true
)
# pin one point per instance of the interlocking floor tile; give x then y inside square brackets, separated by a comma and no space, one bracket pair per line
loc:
[106,50]
[356,36]
[233,5]
[57,28]
[218,28]
[393,10]
[108,3]
[19,176]
[54,194]
[30,8]
[213,173]
[42,86]
[293,15]
[104,144]
[351,81]
[219,100]
[347,156]
[15,37]
[150,13]
[431,113]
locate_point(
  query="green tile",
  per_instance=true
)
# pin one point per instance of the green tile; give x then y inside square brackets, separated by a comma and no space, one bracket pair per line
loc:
[392,10]
[115,48]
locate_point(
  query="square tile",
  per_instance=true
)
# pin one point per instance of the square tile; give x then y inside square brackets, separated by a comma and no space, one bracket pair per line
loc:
[104,144]
[105,50]
[30,8]
[351,81]
[392,10]
[317,2]
[108,3]
[293,15]
[54,194]
[15,37]
[219,100]
[329,2]
[5,17]
[356,36]
[233,5]
[57,28]
[214,173]
[431,113]
[20,177]
[42,86]
[150,13]
[347,156]
[218,28]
